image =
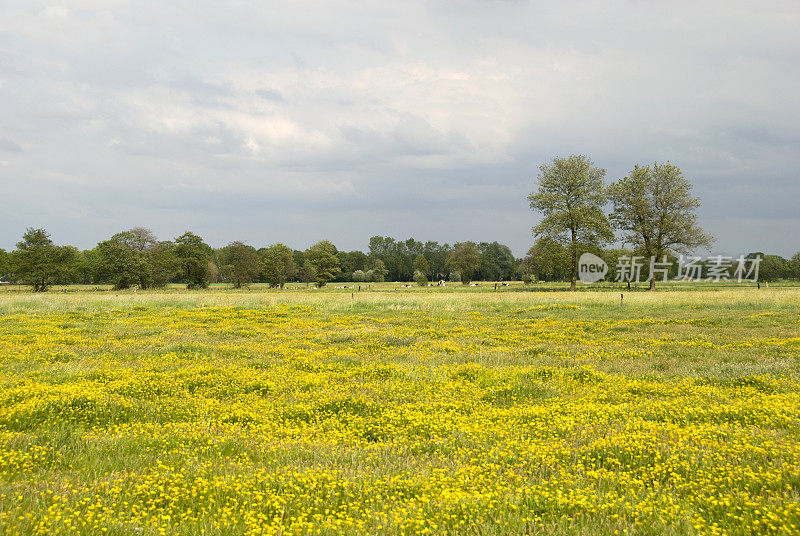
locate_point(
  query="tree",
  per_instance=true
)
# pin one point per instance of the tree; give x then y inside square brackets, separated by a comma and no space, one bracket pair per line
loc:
[772,267]
[421,264]
[5,267]
[299,258]
[465,259]
[612,257]
[794,266]
[279,265]
[421,268]
[570,197]
[397,258]
[436,255]
[38,262]
[358,260]
[497,261]
[547,260]
[653,206]
[163,262]
[240,264]
[119,261]
[68,263]
[306,273]
[213,272]
[85,266]
[386,251]
[350,261]
[322,257]
[378,271]
[133,257]
[142,239]
[194,257]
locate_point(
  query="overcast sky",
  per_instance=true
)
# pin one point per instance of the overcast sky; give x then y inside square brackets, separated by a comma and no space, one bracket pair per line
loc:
[298,121]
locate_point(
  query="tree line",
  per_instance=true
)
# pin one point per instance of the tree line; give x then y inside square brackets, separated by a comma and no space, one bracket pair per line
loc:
[135,257]
[652,213]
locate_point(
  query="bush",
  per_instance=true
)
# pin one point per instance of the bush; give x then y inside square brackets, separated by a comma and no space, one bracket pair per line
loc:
[420,279]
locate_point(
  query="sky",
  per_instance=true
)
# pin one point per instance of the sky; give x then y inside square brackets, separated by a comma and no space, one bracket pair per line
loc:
[299,121]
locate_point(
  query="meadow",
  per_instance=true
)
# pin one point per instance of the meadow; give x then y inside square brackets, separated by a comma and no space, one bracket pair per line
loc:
[400,411]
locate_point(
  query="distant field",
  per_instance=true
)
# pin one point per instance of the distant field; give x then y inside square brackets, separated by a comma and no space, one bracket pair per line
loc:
[461,410]
[476,286]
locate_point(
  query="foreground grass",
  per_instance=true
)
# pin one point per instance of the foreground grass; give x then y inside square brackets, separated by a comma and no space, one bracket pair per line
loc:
[400,412]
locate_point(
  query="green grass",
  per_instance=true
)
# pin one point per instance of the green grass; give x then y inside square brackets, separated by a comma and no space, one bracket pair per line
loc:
[461,410]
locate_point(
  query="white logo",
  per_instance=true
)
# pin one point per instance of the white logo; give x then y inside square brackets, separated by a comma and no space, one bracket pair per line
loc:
[591,268]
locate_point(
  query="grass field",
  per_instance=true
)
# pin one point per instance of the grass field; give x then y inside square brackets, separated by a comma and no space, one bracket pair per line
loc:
[400,411]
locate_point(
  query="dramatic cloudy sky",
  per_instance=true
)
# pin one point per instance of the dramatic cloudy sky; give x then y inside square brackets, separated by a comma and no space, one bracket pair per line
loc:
[297,121]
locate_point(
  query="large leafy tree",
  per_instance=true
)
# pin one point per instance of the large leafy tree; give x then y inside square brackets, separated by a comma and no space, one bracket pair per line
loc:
[279,265]
[194,256]
[134,257]
[38,262]
[119,261]
[159,261]
[772,267]
[163,263]
[322,258]
[570,197]
[464,259]
[547,260]
[655,210]
[497,261]
[240,264]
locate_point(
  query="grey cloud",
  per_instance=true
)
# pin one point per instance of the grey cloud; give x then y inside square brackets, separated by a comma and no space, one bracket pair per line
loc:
[203,93]
[270,94]
[288,122]
[412,136]
[9,146]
